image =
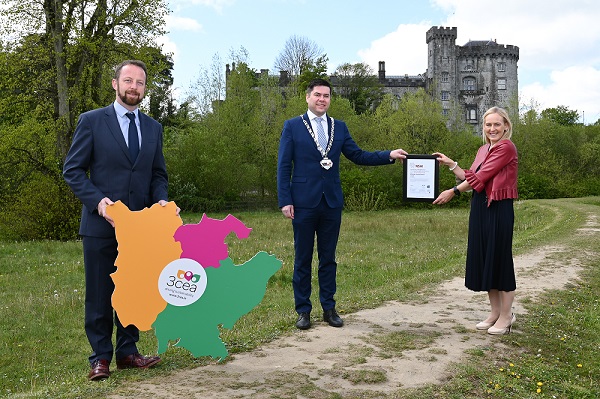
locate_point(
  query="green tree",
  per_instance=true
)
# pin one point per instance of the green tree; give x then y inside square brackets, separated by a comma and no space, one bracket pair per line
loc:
[230,154]
[161,105]
[86,40]
[318,70]
[209,87]
[58,62]
[359,84]
[561,115]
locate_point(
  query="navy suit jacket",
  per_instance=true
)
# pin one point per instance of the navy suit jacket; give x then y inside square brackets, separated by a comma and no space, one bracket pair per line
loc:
[299,159]
[98,165]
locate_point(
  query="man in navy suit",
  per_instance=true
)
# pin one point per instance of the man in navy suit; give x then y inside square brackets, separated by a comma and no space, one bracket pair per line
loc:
[116,154]
[310,193]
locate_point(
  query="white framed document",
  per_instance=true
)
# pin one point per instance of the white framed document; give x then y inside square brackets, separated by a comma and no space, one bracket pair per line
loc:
[421,178]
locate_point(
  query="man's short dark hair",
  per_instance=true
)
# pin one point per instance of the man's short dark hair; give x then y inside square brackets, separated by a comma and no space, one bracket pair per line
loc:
[138,63]
[317,82]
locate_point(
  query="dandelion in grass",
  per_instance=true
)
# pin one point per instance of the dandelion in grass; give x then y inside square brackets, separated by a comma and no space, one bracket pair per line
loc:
[580,365]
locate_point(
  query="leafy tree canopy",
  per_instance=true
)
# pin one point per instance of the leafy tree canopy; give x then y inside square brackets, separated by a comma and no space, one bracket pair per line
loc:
[359,84]
[561,115]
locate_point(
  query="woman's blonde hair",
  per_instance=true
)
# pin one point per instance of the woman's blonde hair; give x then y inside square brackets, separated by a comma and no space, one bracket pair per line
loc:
[502,112]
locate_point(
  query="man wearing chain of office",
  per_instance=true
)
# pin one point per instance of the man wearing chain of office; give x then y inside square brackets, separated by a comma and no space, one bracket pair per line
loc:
[310,194]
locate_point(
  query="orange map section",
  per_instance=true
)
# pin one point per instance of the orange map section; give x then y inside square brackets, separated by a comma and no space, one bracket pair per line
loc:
[146,246]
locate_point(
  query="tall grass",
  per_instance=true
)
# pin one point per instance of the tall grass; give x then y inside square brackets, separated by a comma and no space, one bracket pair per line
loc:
[382,256]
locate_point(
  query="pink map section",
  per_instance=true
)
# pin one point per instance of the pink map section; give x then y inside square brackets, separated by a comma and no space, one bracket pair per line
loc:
[204,242]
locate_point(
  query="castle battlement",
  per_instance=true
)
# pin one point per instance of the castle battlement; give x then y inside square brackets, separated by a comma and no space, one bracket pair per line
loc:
[403,81]
[497,50]
[440,32]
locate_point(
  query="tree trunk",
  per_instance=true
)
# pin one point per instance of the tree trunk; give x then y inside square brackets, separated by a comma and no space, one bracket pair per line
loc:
[55,26]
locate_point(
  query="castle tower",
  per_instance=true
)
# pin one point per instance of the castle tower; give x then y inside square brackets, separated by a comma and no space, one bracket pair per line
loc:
[470,78]
[441,65]
[487,76]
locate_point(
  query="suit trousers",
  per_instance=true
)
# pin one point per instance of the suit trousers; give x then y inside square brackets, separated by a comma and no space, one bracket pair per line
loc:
[325,222]
[99,255]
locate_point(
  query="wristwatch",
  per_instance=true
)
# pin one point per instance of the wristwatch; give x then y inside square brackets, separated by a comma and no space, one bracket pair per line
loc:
[456,190]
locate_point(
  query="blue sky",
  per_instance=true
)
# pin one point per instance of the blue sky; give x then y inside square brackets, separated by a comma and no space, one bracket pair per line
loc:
[559,40]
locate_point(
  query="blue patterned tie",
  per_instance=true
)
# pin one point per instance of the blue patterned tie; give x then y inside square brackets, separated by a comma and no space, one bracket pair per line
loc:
[134,143]
[321,134]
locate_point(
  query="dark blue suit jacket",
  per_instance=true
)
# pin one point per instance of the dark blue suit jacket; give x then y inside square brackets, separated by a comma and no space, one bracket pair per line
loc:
[299,159]
[98,165]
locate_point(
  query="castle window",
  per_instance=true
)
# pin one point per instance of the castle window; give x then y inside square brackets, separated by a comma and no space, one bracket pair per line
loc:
[502,84]
[471,114]
[445,112]
[469,83]
[445,95]
[445,77]
[501,66]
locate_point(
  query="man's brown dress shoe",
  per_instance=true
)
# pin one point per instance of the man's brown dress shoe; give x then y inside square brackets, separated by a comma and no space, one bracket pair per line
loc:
[137,361]
[100,370]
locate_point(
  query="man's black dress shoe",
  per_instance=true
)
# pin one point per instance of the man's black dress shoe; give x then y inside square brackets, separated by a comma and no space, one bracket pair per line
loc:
[99,370]
[303,321]
[331,317]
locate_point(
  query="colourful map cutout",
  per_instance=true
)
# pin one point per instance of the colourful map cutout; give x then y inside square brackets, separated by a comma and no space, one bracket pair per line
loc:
[154,245]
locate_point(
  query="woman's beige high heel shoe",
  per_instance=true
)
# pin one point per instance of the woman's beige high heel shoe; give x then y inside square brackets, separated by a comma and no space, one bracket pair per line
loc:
[484,325]
[501,331]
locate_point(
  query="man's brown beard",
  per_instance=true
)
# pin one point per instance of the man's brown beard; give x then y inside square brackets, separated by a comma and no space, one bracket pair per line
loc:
[127,101]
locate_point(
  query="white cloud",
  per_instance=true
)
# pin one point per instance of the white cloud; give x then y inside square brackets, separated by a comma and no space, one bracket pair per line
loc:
[217,5]
[550,34]
[168,47]
[404,51]
[559,46]
[566,89]
[182,23]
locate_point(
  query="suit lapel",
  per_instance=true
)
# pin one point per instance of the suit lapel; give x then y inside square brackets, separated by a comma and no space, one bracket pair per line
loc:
[112,122]
[146,131]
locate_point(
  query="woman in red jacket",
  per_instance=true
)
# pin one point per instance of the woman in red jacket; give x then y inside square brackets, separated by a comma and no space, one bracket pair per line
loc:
[493,179]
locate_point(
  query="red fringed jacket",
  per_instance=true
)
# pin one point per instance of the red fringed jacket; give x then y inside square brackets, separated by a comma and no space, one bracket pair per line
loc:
[498,171]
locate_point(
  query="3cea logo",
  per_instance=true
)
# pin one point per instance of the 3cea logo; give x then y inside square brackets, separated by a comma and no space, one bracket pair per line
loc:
[182,282]
[183,275]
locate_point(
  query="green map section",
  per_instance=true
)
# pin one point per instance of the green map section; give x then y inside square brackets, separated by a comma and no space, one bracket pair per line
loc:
[231,292]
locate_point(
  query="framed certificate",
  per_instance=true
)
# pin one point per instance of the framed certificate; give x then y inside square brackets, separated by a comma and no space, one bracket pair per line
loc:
[421,178]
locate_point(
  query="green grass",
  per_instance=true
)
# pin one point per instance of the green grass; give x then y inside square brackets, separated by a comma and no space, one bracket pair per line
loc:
[382,256]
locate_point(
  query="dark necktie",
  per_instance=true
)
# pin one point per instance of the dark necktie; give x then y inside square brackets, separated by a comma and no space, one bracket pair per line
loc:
[134,143]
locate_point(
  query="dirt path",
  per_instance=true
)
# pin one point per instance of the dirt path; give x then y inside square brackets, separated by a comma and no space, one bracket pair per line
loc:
[360,357]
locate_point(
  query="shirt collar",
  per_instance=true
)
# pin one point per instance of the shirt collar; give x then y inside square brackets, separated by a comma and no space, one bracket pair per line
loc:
[121,110]
[312,116]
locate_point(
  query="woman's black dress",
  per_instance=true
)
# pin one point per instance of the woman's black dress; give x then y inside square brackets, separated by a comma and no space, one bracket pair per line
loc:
[489,252]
